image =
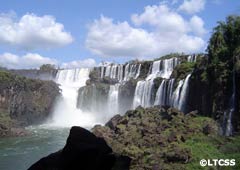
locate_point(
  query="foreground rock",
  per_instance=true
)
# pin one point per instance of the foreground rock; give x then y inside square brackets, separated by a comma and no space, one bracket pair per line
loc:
[154,137]
[83,151]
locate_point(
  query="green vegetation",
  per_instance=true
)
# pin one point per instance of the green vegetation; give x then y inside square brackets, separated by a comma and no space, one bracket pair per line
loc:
[168,139]
[5,118]
[212,147]
[224,43]
[47,67]
[182,70]
[223,46]
[171,55]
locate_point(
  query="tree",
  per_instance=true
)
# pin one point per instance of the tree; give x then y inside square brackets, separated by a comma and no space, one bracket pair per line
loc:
[224,46]
[47,67]
[225,40]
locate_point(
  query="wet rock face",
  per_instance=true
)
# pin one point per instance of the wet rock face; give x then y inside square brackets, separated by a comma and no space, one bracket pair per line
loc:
[33,103]
[83,151]
[153,137]
[24,101]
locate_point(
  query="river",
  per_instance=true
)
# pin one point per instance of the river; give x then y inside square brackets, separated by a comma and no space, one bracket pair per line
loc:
[19,153]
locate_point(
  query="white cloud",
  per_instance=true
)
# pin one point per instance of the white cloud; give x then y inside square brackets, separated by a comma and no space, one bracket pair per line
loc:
[167,31]
[30,60]
[86,63]
[109,39]
[161,16]
[197,25]
[192,6]
[32,32]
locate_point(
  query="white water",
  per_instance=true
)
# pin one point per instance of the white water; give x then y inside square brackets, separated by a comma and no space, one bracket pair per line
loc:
[164,93]
[117,71]
[113,100]
[184,93]
[143,91]
[192,58]
[170,92]
[228,114]
[66,113]
[176,94]
[160,95]
[229,128]
[142,94]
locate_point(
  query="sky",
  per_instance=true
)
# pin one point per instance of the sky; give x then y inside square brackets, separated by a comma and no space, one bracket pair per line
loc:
[76,33]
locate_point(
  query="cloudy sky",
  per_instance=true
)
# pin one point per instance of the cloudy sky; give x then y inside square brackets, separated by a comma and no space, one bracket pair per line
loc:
[73,33]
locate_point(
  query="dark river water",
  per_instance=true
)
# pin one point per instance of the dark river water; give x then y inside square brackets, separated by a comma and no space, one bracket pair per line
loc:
[21,152]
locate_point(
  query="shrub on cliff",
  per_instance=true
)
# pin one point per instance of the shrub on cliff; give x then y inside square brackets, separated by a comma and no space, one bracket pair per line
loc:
[182,70]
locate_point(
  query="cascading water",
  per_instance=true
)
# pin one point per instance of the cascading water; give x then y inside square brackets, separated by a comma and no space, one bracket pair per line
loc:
[66,112]
[170,91]
[160,95]
[120,73]
[184,93]
[164,93]
[113,101]
[116,71]
[228,129]
[192,58]
[142,94]
[176,95]
[143,91]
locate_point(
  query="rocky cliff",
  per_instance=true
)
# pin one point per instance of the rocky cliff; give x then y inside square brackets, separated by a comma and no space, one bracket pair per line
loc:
[24,101]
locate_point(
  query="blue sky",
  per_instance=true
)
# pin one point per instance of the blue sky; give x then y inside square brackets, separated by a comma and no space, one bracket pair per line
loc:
[78,33]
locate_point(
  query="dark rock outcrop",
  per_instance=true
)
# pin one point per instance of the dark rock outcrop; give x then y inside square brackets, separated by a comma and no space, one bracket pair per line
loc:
[83,151]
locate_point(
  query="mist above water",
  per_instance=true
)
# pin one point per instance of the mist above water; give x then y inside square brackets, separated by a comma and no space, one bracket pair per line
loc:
[66,113]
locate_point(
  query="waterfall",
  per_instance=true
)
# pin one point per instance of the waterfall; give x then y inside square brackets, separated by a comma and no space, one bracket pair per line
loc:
[66,112]
[143,91]
[229,127]
[102,71]
[156,67]
[121,72]
[192,58]
[164,93]
[161,94]
[132,71]
[170,91]
[107,71]
[184,93]
[142,95]
[176,95]
[113,99]
[138,71]
[228,114]
[126,72]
